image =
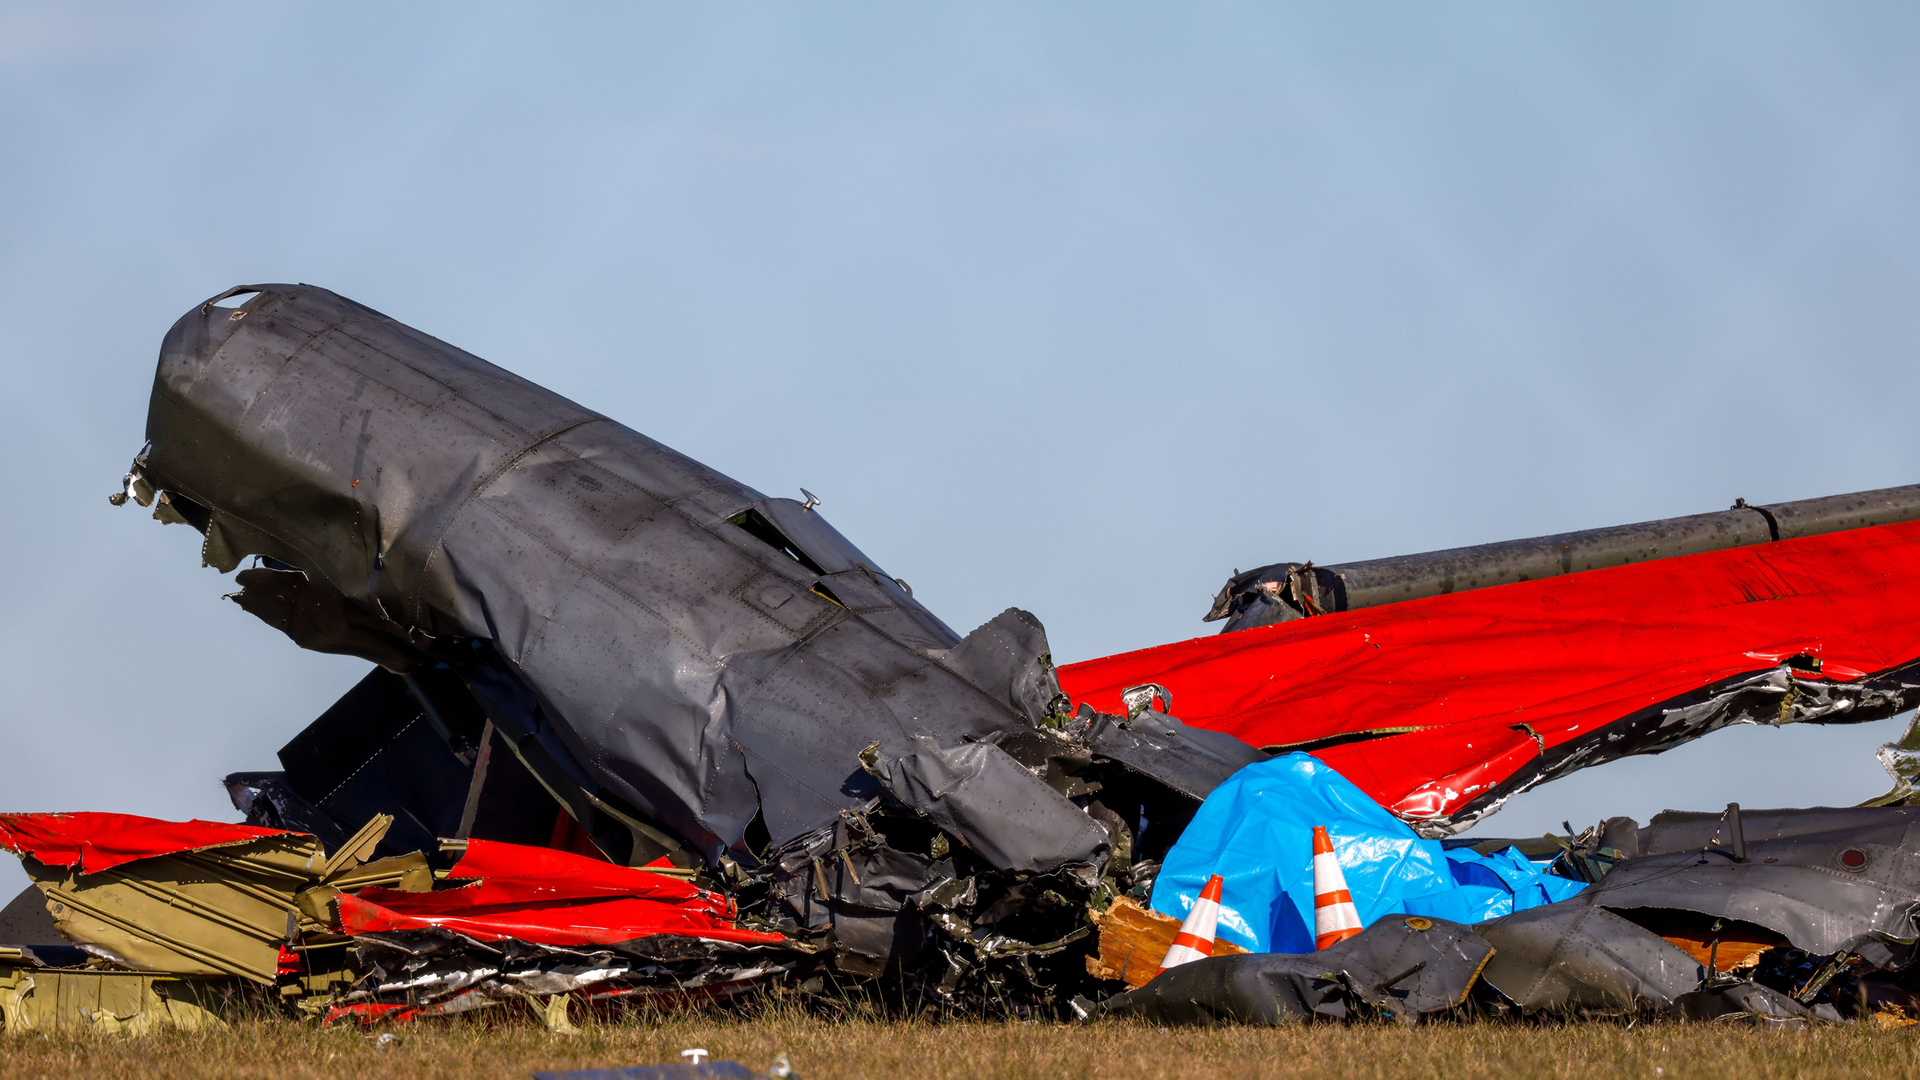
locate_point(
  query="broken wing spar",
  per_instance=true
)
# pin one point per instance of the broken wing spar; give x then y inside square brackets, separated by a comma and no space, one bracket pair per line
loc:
[1442,707]
[1290,590]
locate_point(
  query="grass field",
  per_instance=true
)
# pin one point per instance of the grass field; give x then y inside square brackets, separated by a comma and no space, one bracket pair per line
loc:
[925,1050]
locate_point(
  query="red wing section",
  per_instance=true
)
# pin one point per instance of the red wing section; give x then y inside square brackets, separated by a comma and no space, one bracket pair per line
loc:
[96,841]
[517,874]
[603,922]
[549,897]
[1442,707]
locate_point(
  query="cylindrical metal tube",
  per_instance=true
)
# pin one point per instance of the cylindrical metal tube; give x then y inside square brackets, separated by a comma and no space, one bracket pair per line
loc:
[1274,593]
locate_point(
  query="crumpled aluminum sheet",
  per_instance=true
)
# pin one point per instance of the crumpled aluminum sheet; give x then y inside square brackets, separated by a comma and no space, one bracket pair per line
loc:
[665,646]
[1574,958]
[452,972]
[979,793]
[1826,878]
[689,667]
[1404,967]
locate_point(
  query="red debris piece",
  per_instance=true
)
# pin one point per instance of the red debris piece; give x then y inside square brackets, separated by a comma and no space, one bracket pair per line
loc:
[1428,704]
[96,841]
[515,873]
[604,922]
[367,1013]
[549,897]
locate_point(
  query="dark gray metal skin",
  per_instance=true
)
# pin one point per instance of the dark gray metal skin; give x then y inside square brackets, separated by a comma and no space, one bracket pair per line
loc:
[1753,1002]
[1675,831]
[1826,879]
[655,663]
[1568,959]
[996,806]
[1807,895]
[1575,958]
[1405,968]
[1283,591]
[1190,760]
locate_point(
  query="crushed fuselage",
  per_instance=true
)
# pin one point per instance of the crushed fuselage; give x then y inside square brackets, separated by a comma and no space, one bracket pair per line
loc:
[687,667]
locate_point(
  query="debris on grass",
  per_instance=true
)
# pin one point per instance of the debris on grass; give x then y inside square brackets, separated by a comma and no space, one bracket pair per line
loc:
[638,737]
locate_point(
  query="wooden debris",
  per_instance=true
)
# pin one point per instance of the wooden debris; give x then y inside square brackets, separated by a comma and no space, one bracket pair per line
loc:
[1731,945]
[1133,941]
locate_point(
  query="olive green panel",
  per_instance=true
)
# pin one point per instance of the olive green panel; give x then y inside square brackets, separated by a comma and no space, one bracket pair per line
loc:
[116,1002]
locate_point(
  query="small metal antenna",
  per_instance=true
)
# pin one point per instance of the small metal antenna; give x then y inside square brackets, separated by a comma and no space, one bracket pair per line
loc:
[812,499]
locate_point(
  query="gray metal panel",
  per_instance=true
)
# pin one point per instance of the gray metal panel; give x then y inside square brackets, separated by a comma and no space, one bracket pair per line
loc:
[680,666]
[1401,967]
[1573,957]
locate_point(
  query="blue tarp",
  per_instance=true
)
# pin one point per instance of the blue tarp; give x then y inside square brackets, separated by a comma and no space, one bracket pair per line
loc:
[1256,832]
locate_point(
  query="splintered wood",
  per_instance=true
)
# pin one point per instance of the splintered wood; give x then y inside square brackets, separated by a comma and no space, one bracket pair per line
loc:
[1133,941]
[1727,953]
[1729,944]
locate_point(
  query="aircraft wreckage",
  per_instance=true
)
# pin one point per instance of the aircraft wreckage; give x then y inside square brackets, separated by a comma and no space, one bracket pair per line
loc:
[637,732]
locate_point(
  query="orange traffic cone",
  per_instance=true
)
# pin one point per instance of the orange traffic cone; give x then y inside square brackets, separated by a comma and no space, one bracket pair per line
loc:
[1334,916]
[1195,939]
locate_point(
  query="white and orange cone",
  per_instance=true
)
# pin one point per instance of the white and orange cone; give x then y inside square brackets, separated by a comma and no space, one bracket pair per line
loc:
[1335,919]
[1195,939]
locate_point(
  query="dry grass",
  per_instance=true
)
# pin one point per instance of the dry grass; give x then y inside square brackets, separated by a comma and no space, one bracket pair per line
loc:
[925,1050]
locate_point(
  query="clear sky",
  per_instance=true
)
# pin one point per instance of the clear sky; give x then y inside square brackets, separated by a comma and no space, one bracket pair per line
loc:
[1077,308]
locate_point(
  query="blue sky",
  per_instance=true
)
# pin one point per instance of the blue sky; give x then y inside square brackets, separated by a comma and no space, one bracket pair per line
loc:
[1077,308]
